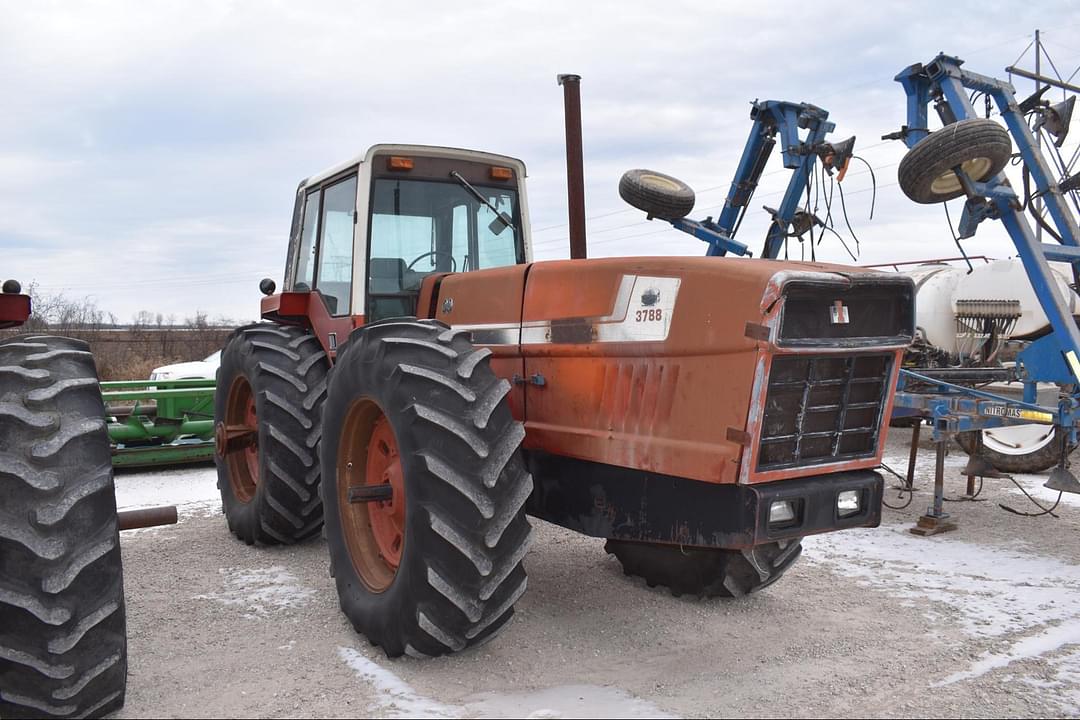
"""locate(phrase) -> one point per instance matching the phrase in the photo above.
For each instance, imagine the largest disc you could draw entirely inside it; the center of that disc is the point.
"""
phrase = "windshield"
(424, 226)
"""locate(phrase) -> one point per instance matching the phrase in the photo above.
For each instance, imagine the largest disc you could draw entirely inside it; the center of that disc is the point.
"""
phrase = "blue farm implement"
(966, 159)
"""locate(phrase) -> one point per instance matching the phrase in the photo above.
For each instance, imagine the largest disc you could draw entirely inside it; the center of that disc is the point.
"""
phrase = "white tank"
(1006, 280)
(934, 317)
(939, 286)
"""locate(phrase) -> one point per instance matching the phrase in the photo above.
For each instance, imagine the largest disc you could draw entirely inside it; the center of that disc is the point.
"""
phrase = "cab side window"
(305, 264)
(335, 256)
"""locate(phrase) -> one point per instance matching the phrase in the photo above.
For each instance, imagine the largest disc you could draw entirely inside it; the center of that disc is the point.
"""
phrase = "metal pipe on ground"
(147, 517)
(575, 167)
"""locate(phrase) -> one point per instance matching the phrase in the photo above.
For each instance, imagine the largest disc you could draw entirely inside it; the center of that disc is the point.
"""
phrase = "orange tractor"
(420, 385)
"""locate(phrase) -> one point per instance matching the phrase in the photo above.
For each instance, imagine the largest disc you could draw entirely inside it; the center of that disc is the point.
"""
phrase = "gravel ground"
(980, 622)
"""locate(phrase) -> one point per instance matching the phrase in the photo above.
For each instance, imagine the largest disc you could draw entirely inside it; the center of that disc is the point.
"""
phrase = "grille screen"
(822, 409)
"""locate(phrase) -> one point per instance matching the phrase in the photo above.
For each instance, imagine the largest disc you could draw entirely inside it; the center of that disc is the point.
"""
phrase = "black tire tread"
(1039, 461)
(466, 486)
(944, 149)
(286, 367)
(63, 646)
(663, 203)
(706, 572)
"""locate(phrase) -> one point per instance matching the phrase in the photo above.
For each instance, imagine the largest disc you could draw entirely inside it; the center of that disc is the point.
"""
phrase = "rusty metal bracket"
(757, 331)
(740, 437)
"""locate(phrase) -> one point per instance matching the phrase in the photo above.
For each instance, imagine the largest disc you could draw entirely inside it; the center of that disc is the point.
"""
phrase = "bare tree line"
(124, 351)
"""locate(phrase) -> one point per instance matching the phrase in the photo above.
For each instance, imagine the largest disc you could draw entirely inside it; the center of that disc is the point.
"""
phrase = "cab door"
(324, 259)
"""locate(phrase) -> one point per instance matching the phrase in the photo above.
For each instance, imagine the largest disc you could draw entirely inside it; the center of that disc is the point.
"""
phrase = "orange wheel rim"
(374, 530)
(242, 421)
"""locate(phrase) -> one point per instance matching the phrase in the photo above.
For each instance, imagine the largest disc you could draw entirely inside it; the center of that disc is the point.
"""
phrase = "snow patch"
(398, 699)
(1046, 497)
(569, 701)
(192, 489)
(392, 693)
(1030, 602)
(1044, 643)
(260, 590)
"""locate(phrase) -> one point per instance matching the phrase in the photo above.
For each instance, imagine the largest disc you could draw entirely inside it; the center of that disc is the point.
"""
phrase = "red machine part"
(14, 309)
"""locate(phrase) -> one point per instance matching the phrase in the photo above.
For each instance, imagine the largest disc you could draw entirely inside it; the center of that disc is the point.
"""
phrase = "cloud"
(150, 151)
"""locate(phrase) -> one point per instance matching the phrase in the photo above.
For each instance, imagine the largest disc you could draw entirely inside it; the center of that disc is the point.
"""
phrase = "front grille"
(876, 311)
(821, 409)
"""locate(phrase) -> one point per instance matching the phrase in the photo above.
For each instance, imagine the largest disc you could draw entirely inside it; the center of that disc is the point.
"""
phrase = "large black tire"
(63, 642)
(1037, 461)
(706, 572)
(657, 194)
(284, 369)
(981, 147)
(464, 527)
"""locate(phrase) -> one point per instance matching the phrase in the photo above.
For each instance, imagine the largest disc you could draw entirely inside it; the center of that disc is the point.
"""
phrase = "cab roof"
(421, 150)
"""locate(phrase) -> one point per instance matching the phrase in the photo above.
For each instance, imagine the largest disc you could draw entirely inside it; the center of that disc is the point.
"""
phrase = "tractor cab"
(367, 233)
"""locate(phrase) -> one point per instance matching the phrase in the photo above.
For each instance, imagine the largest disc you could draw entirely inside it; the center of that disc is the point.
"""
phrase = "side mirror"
(500, 223)
(267, 286)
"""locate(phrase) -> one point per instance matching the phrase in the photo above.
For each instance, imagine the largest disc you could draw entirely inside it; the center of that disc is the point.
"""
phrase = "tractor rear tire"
(657, 194)
(706, 572)
(63, 641)
(1038, 460)
(272, 381)
(981, 147)
(437, 566)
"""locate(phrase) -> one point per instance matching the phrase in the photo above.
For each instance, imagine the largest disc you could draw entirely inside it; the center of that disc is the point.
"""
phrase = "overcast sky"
(150, 151)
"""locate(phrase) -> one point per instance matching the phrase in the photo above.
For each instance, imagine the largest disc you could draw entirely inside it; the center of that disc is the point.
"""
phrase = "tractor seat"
(386, 275)
(387, 296)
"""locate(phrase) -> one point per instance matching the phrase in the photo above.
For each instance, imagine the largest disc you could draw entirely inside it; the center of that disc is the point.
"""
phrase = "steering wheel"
(453, 260)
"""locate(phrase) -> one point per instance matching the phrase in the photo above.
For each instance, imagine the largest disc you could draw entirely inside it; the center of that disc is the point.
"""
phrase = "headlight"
(780, 512)
(847, 503)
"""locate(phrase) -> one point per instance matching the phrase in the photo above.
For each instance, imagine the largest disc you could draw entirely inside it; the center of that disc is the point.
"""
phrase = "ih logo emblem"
(838, 313)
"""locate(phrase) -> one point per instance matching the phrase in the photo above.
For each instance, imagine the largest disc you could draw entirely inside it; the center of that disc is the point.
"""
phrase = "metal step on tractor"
(63, 642)
(420, 385)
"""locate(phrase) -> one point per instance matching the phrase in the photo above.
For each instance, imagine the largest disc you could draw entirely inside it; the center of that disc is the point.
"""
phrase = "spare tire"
(981, 147)
(1017, 448)
(63, 644)
(657, 194)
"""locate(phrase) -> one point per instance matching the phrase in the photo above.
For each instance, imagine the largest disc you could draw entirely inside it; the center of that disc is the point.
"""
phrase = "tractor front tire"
(424, 488)
(657, 194)
(63, 640)
(268, 423)
(706, 572)
(980, 147)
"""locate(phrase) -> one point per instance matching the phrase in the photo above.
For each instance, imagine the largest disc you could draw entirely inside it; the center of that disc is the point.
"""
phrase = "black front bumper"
(613, 502)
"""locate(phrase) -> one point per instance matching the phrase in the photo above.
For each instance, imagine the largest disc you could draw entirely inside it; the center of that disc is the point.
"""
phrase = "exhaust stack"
(575, 168)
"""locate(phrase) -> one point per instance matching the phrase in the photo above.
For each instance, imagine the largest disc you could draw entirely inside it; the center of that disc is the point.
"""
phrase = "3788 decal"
(649, 315)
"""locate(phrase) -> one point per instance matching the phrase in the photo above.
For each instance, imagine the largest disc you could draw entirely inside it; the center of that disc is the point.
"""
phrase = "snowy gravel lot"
(980, 622)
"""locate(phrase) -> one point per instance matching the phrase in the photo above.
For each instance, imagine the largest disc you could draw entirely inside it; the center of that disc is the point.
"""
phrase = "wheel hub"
(237, 439)
(371, 494)
(948, 183)
(388, 516)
